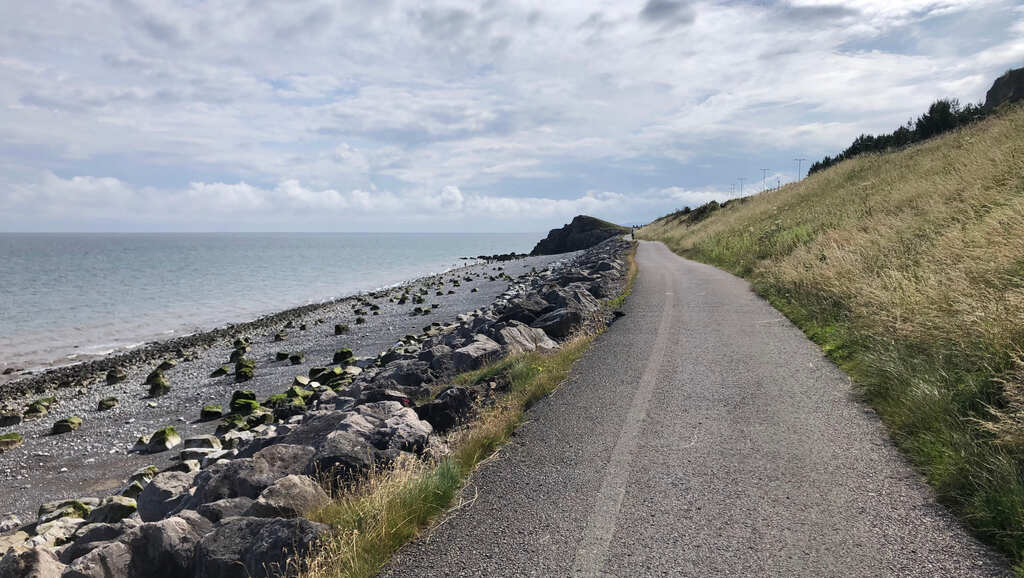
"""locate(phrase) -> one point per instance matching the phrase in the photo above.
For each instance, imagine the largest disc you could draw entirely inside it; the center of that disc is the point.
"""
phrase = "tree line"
(943, 115)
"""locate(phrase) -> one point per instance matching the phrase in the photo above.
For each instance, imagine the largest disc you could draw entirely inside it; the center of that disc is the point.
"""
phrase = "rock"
(476, 354)
(220, 371)
(8, 523)
(158, 384)
(340, 329)
(248, 477)
(88, 537)
(402, 430)
(249, 547)
(107, 403)
(244, 406)
(582, 233)
(559, 324)
(167, 364)
(9, 418)
(280, 336)
(144, 475)
(281, 355)
(244, 374)
(297, 358)
(343, 355)
(34, 563)
(518, 338)
(132, 490)
(238, 354)
(112, 509)
(16, 540)
(36, 410)
(203, 442)
(116, 375)
(165, 548)
(343, 455)
(405, 373)
(163, 495)
(1007, 88)
(289, 497)
(111, 560)
(56, 532)
(10, 441)
(300, 381)
(449, 408)
(226, 508)
(66, 425)
(211, 412)
(79, 508)
(163, 440)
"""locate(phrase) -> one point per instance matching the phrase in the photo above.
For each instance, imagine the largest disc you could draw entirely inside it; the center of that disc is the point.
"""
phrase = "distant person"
(632, 233)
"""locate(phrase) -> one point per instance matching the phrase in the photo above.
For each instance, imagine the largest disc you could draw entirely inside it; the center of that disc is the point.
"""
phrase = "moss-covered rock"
(107, 403)
(211, 412)
(163, 439)
(259, 416)
(297, 358)
(244, 406)
(301, 381)
(116, 375)
(276, 400)
(280, 336)
(67, 425)
(167, 364)
(221, 371)
(281, 355)
(299, 392)
(231, 422)
(238, 354)
(9, 441)
(343, 355)
(360, 320)
(132, 490)
(36, 410)
(241, 342)
(158, 386)
(340, 329)
(244, 374)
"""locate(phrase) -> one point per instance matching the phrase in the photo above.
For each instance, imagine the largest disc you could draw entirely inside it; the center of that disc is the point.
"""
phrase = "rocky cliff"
(1007, 88)
(582, 233)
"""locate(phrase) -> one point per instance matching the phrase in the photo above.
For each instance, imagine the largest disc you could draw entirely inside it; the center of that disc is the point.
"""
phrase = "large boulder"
(518, 338)
(112, 509)
(248, 477)
(405, 373)
(91, 536)
(477, 353)
(163, 495)
(560, 323)
(290, 497)
(33, 563)
(226, 508)
(448, 409)
(582, 233)
(1006, 89)
(254, 547)
(525, 308)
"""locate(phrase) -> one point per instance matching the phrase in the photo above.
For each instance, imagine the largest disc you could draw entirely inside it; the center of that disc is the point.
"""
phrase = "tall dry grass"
(908, 269)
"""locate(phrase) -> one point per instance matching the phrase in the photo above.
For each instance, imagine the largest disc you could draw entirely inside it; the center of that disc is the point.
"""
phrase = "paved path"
(701, 435)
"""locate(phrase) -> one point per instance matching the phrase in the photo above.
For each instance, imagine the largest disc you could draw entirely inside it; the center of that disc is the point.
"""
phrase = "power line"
(799, 161)
(764, 177)
(741, 179)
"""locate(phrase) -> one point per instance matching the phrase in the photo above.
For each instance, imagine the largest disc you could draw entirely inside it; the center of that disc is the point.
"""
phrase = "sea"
(66, 297)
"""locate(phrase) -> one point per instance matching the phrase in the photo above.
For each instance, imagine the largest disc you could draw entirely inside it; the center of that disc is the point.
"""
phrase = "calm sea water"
(65, 296)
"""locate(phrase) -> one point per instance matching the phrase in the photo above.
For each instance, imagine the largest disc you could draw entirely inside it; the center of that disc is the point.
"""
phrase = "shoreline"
(85, 371)
(97, 459)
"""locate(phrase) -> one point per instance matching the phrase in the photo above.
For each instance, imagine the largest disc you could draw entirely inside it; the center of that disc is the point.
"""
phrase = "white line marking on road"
(593, 551)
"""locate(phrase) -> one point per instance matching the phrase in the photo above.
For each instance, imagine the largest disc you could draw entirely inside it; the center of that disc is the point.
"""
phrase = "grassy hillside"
(908, 269)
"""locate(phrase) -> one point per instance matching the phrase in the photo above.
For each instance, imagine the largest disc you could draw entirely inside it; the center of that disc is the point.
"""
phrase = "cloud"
(668, 12)
(498, 115)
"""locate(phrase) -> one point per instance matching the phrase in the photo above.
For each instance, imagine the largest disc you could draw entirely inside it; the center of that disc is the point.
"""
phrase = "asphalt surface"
(701, 435)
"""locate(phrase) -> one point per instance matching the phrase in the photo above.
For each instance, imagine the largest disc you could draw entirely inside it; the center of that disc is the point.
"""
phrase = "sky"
(380, 115)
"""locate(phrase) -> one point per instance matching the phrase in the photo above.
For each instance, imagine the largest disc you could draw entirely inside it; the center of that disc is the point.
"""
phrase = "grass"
(908, 269)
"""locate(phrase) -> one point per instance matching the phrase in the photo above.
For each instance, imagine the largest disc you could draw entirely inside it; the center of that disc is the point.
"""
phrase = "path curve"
(701, 435)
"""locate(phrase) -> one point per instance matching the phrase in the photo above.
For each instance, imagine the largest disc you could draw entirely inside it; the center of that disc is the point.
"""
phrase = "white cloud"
(459, 107)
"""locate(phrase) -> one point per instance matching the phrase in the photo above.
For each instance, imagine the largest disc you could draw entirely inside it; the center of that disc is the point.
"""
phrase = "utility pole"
(764, 177)
(741, 185)
(799, 161)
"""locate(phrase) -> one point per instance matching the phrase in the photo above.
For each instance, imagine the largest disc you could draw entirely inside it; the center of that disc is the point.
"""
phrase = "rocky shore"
(311, 399)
